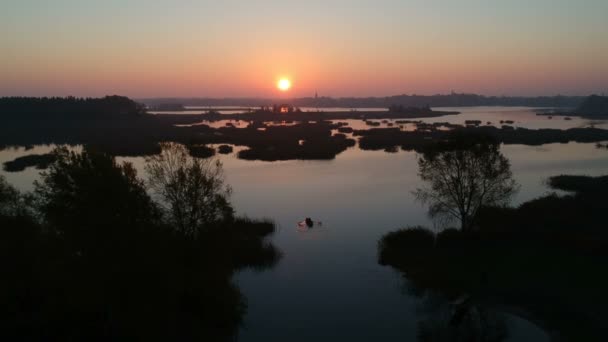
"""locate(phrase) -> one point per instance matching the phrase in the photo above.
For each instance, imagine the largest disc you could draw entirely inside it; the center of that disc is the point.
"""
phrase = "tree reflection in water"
(459, 320)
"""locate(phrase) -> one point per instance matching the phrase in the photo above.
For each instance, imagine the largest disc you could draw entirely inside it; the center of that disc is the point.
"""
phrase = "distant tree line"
(594, 106)
(438, 100)
(428, 134)
(412, 110)
(69, 106)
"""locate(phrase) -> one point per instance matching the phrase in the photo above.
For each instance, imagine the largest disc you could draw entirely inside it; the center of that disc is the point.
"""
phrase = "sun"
(284, 84)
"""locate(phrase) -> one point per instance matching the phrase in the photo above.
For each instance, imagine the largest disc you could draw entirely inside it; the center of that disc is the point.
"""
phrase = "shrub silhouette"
(225, 149)
(91, 257)
(200, 151)
(87, 198)
(407, 241)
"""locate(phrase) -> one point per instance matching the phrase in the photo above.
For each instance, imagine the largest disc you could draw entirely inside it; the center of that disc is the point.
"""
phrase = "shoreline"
(305, 116)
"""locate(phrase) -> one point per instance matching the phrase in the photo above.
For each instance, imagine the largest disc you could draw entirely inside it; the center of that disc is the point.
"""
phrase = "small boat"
(308, 223)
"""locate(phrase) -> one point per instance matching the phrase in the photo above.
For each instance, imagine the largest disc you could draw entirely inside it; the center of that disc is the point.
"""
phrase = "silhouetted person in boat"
(309, 223)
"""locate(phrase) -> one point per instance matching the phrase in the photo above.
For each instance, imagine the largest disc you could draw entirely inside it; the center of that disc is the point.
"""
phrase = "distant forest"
(72, 107)
(447, 100)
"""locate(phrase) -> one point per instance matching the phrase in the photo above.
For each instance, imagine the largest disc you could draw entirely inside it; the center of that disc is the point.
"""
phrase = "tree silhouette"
(96, 260)
(192, 189)
(509, 263)
(89, 199)
(463, 174)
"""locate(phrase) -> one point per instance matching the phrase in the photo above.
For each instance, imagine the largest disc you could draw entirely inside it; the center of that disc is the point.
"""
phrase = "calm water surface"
(329, 286)
(524, 117)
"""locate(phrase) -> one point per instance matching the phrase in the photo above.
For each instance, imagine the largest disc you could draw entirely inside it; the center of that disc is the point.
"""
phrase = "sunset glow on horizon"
(356, 48)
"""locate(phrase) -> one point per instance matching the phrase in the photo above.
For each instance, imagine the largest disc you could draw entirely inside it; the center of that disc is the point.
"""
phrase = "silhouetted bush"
(201, 151)
(450, 238)
(89, 257)
(225, 149)
(406, 241)
(345, 129)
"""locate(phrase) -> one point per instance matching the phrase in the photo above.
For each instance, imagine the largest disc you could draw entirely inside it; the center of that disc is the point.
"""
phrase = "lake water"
(524, 117)
(329, 286)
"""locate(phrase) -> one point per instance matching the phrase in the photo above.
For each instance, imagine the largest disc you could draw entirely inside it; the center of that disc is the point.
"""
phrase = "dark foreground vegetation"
(91, 256)
(543, 260)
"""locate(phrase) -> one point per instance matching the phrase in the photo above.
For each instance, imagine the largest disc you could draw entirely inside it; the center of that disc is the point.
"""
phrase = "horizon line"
(354, 96)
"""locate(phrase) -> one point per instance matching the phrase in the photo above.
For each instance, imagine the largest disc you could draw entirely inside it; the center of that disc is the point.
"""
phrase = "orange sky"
(338, 48)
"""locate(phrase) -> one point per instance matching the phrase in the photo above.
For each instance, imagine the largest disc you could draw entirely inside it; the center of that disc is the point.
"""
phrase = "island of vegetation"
(289, 112)
(429, 134)
(40, 161)
(121, 127)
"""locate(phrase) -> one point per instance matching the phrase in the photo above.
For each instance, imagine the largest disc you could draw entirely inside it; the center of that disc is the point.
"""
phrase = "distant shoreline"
(120, 126)
(437, 100)
(232, 110)
(309, 116)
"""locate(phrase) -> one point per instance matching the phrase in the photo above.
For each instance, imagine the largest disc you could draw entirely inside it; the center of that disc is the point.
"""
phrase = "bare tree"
(462, 176)
(192, 190)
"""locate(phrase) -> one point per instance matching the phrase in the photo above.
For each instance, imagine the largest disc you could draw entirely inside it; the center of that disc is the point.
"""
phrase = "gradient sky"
(339, 48)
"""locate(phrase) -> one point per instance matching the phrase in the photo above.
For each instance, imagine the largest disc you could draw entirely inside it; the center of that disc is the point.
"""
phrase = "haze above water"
(329, 285)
